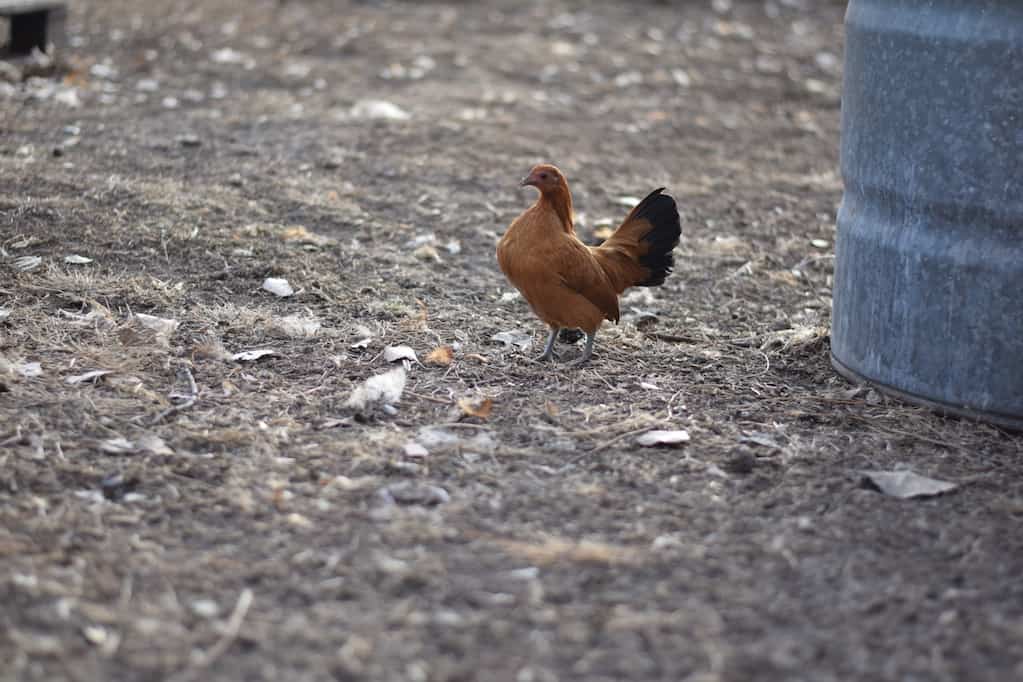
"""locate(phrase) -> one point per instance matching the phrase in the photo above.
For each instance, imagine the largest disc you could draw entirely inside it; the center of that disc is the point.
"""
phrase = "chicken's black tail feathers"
(666, 229)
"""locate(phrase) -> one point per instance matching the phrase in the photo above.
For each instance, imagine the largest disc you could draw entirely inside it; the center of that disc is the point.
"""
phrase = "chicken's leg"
(587, 352)
(548, 351)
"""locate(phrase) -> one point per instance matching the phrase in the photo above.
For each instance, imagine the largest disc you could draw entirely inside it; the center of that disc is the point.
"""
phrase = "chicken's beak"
(527, 181)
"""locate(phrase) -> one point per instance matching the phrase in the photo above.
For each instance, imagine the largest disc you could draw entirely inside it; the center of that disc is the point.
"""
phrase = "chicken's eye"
(543, 176)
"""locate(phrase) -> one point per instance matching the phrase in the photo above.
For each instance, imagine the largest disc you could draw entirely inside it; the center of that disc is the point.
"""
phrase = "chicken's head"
(545, 178)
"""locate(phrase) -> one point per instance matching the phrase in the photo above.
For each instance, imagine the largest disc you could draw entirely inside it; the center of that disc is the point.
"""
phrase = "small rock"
(114, 486)
(227, 56)
(278, 287)
(95, 634)
(413, 492)
(206, 608)
(414, 450)
(661, 437)
(380, 110)
(103, 71)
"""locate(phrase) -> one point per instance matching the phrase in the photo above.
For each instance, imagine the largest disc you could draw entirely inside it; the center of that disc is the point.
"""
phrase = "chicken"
(571, 285)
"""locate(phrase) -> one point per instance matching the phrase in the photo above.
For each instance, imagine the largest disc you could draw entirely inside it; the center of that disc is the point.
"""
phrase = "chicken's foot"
(587, 352)
(548, 351)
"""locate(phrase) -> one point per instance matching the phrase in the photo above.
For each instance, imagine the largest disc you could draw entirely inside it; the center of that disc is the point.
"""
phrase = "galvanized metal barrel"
(928, 294)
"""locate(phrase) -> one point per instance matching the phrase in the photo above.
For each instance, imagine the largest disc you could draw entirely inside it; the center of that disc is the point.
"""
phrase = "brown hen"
(571, 285)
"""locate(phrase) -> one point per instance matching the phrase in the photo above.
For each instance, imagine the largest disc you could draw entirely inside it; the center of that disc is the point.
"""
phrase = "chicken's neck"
(559, 200)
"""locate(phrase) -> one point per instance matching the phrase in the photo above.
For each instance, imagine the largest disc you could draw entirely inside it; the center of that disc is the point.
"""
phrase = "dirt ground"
(193, 514)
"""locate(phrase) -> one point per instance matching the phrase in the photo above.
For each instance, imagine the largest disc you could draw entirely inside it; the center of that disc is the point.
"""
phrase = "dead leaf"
(162, 328)
(88, 376)
(659, 437)
(278, 287)
(476, 408)
(154, 445)
(420, 321)
(299, 233)
(762, 440)
(250, 355)
(383, 388)
(117, 446)
(210, 347)
(75, 259)
(516, 338)
(441, 355)
(437, 438)
(26, 263)
(427, 253)
(296, 326)
(29, 370)
(395, 353)
(906, 484)
(347, 484)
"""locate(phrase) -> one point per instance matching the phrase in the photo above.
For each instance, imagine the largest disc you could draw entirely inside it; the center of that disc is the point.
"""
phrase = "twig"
(906, 434)
(16, 438)
(442, 401)
(189, 399)
(673, 338)
(620, 437)
(234, 626)
(812, 259)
